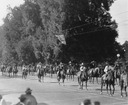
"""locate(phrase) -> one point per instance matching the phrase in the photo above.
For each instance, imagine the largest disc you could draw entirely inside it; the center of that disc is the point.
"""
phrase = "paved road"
(50, 93)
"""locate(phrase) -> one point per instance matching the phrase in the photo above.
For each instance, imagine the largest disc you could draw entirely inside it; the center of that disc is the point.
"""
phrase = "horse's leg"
(63, 81)
(22, 75)
(125, 89)
(121, 91)
(73, 77)
(110, 89)
(97, 80)
(58, 78)
(81, 84)
(39, 78)
(93, 78)
(43, 78)
(107, 86)
(90, 79)
(67, 76)
(86, 84)
(113, 85)
(102, 84)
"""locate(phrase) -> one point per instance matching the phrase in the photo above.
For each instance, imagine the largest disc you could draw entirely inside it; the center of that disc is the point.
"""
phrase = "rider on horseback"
(106, 69)
(82, 69)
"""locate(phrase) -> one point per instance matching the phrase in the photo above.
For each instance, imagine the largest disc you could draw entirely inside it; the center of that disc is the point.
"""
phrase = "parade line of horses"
(110, 75)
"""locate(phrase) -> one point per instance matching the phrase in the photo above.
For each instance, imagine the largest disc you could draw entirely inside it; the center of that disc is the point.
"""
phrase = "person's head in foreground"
(28, 91)
(96, 103)
(86, 102)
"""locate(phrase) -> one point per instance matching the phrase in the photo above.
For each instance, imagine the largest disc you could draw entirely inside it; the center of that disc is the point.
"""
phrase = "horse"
(14, 71)
(24, 72)
(94, 73)
(9, 70)
(108, 80)
(82, 77)
(124, 83)
(3, 69)
(61, 75)
(40, 73)
(70, 72)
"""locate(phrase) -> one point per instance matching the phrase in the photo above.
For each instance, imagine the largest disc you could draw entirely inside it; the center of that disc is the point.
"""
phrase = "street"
(50, 92)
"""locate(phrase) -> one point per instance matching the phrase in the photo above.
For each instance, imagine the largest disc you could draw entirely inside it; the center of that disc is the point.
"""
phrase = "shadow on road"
(42, 104)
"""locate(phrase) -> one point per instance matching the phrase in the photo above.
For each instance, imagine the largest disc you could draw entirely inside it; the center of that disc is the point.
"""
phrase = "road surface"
(50, 92)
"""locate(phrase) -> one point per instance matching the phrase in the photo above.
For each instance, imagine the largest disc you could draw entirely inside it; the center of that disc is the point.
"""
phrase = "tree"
(125, 46)
(52, 16)
(90, 32)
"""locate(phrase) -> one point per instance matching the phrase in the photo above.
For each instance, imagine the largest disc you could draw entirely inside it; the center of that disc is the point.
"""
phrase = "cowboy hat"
(82, 64)
(28, 90)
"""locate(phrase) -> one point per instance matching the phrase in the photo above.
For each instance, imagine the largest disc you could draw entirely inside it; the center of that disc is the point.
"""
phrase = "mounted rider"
(61, 66)
(92, 64)
(69, 67)
(24, 68)
(82, 69)
(38, 67)
(106, 69)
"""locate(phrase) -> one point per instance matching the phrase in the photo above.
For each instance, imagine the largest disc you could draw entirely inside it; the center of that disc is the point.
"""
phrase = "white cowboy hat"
(82, 64)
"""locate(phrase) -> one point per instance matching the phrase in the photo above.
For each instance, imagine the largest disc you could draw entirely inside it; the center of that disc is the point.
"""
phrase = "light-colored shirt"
(106, 69)
(82, 68)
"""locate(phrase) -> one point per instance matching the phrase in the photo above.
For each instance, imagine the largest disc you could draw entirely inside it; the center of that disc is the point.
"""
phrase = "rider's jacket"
(82, 68)
(106, 69)
(60, 66)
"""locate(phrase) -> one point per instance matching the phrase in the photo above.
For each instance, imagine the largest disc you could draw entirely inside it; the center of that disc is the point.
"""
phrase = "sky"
(119, 12)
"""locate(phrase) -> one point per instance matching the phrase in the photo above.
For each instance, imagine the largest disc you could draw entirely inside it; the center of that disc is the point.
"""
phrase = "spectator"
(22, 100)
(27, 98)
(96, 103)
(86, 102)
(2, 101)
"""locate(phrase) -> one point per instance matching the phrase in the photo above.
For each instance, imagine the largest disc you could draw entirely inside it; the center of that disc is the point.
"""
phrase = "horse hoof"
(111, 95)
(121, 96)
(101, 93)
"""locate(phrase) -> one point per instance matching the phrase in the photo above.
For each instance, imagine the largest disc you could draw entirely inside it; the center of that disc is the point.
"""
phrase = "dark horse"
(61, 75)
(40, 73)
(3, 69)
(108, 80)
(9, 70)
(94, 73)
(82, 77)
(24, 73)
(15, 71)
(117, 75)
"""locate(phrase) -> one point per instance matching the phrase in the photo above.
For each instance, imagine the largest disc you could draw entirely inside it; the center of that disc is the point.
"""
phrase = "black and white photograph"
(63, 52)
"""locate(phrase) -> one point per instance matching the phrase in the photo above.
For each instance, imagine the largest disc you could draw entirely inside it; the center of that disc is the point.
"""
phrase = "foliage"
(90, 32)
(29, 31)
